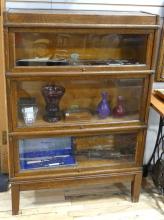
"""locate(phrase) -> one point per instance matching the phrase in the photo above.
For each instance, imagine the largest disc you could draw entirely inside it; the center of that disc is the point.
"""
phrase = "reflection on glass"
(93, 151)
(103, 48)
(106, 147)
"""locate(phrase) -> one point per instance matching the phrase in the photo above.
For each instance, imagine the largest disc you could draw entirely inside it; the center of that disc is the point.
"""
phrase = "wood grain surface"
(3, 108)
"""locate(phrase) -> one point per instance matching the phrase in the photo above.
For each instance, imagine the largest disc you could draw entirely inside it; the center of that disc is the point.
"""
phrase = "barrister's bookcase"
(78, 85)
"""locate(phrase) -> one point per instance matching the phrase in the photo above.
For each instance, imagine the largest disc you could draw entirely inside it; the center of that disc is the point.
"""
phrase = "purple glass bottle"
(119, 110)
(103, 108)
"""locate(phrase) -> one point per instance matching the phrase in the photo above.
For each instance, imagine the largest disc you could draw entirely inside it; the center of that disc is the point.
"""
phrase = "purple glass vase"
(119, 110)
(103, 108)
(52, 95)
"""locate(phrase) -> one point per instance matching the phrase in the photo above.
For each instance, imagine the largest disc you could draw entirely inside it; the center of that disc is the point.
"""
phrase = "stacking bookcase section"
(78, 85)
(74, 153)
(93, 101)
(96, 40)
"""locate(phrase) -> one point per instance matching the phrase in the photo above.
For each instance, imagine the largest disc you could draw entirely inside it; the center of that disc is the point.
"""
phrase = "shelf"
(77, 103)
(40, 123)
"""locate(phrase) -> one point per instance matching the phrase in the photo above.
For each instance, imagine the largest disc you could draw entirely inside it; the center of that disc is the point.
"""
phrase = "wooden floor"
(106, 203)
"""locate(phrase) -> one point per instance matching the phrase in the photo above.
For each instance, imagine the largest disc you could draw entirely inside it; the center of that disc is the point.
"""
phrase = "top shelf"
(79, 41)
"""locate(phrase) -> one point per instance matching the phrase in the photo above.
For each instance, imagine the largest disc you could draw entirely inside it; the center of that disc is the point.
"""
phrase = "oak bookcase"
(78, 87)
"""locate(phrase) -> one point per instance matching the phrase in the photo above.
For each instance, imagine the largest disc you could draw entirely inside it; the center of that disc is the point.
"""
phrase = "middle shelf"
(57, 102)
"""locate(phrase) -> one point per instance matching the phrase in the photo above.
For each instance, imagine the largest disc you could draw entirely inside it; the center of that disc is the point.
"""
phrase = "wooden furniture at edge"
(157, 104)
(114, 53)
(160, 63)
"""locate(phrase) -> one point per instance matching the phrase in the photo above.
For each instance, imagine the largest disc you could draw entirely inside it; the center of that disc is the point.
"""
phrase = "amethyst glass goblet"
(52, 95)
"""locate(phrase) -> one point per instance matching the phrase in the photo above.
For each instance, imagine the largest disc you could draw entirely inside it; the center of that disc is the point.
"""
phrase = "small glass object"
(29, 114)
(28, 109)
(103, 108)
(119, 110)
(74, 59)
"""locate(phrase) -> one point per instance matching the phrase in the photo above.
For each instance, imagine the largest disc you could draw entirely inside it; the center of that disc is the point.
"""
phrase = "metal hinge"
(4, 137)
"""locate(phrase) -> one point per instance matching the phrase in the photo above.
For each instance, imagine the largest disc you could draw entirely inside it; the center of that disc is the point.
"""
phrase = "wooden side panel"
(3, 108)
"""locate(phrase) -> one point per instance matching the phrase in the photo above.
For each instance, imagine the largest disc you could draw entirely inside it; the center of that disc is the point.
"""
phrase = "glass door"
(62, 103)
(75, 48)
(76, 152)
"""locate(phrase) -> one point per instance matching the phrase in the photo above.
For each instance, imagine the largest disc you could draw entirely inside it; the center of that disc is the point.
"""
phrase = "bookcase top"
(77, 17)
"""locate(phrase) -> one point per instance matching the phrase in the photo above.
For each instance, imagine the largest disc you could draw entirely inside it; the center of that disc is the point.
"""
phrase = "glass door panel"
(74, 47)
(80, 152)
(57, 103)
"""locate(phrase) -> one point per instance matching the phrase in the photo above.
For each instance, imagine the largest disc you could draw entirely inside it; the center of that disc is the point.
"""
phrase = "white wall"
(152, 6)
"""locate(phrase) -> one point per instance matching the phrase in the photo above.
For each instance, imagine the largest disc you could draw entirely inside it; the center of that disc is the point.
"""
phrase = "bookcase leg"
(136, 187)
(15, 197)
